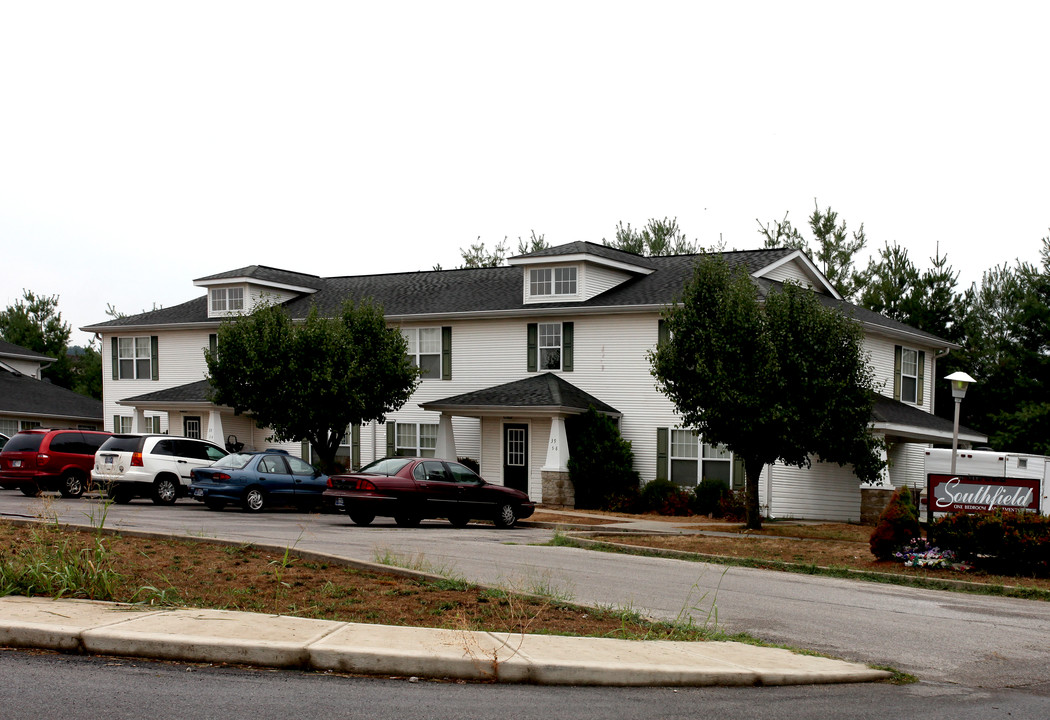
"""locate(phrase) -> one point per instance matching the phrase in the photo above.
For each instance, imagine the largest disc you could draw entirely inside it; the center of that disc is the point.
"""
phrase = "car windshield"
(123, 443)
(24, 442)
(386, 466)
(235, 461)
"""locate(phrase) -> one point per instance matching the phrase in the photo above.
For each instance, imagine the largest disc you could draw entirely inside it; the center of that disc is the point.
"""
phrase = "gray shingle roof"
(588, 248)
(21, 394)
(480, 290)
(545, 391)
(268, 274)
(894, 412)
(191, 392)
(17, 351)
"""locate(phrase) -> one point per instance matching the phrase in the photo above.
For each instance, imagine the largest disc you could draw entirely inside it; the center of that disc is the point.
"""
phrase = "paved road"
(974, 641)
(85, 688)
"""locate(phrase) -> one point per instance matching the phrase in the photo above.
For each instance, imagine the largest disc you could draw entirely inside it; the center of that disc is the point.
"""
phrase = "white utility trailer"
(985, 481)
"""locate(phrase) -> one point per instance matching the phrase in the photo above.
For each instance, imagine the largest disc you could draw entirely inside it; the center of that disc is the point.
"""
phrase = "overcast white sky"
(146, 144)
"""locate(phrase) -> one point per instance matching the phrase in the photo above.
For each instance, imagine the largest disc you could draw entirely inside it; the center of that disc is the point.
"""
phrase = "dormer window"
(227, 299)
(552, 281)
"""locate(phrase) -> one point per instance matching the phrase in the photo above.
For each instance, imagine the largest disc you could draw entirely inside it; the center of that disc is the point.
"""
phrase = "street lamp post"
(960, 381)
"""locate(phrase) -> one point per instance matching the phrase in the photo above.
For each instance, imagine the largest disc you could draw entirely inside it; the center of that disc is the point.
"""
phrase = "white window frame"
(687, 446)
(218, 300)
(8, 426)
(415, 439)
(425, 337)
(541, 282)
(29, 424)
(554, 282)
(125, 425)
(134, 350)
(567, 283)
(153, 424)
(913, 376)
(547, 341)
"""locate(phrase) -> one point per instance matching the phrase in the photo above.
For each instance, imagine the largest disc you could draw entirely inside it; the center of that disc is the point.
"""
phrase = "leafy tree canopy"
(780, 380)
(313, 379)
(832, 248)
(34, 322)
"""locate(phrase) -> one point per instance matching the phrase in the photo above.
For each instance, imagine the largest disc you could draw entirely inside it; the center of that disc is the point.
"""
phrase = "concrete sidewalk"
(222, 636)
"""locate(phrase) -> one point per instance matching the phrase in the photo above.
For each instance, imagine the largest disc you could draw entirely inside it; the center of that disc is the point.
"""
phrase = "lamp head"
(960, 381)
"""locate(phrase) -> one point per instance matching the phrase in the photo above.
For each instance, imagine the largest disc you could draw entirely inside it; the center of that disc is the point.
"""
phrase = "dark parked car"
(44, 459)
(257, 480)
(410, 489)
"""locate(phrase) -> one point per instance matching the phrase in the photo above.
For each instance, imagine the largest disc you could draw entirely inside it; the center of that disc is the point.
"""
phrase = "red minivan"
(43, 459)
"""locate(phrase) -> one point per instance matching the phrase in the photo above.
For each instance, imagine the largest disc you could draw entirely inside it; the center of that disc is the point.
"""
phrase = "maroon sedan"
(410, 489)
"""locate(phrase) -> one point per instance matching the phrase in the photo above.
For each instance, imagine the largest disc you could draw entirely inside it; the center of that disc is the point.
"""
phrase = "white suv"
(153, 466)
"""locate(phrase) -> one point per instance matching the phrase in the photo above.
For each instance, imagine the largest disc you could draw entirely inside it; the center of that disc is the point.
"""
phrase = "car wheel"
(165, 491)
(254, 500)
(505, 516)
(407, 520)
(214, 504)
(362, 518)
(119, 495)
(71, 485)
(29, 490)
(459, 520)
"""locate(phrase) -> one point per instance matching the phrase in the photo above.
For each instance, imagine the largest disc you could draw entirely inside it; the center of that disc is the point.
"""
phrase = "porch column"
(138, 420)
(557, 447)
(215, 433)
(446, 439)
(558, 490)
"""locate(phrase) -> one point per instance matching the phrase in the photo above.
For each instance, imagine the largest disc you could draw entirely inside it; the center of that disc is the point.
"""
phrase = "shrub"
(470, 463)
(897, 525)
(627, 501)
(665, 498)
(707, 497)
(733, 506)
(1005, 543)
(601, 463)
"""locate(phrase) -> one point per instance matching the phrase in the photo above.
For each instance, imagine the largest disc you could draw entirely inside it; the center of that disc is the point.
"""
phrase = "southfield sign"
(967, 493)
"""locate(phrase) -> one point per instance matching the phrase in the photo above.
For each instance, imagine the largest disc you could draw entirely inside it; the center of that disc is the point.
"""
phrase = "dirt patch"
(809, 545)
(192, 573)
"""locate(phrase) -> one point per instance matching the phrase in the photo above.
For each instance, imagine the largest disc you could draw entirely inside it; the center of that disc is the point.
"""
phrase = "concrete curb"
(224, 636)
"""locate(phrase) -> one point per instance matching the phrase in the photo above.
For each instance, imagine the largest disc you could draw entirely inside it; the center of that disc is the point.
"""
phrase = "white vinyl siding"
(823, 492)
(594, 280)
(789, 271)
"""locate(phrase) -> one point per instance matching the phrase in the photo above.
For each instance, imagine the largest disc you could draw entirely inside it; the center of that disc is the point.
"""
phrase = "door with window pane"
(516, 456)
(191, 426)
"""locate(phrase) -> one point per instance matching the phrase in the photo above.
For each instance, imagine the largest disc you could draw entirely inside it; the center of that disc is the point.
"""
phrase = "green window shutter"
(446, 352)
(116, 423)
(391, 429)
(115, 359)
(154, 352)
(663, 439)
(304, 451)
(896, 372)
(355, 447)
(918, 390)
(663, 334)
(213, 343)
(534, 341)
(566, 346)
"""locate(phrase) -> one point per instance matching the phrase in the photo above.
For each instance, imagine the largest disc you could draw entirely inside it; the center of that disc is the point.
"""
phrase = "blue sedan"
(257, 480)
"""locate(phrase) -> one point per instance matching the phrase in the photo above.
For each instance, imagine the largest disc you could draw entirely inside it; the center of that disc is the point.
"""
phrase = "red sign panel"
(970, 493)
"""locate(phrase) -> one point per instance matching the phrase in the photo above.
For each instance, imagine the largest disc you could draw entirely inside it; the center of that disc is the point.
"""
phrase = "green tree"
(478, 256)
(34, 322)
(313, 379)
(776, 381)
(832, 248)
(87, 371)
(658, 237)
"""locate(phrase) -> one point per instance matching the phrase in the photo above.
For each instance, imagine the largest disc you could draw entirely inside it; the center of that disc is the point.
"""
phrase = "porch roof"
(195, 393)
(897, 419)
(537, 394)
